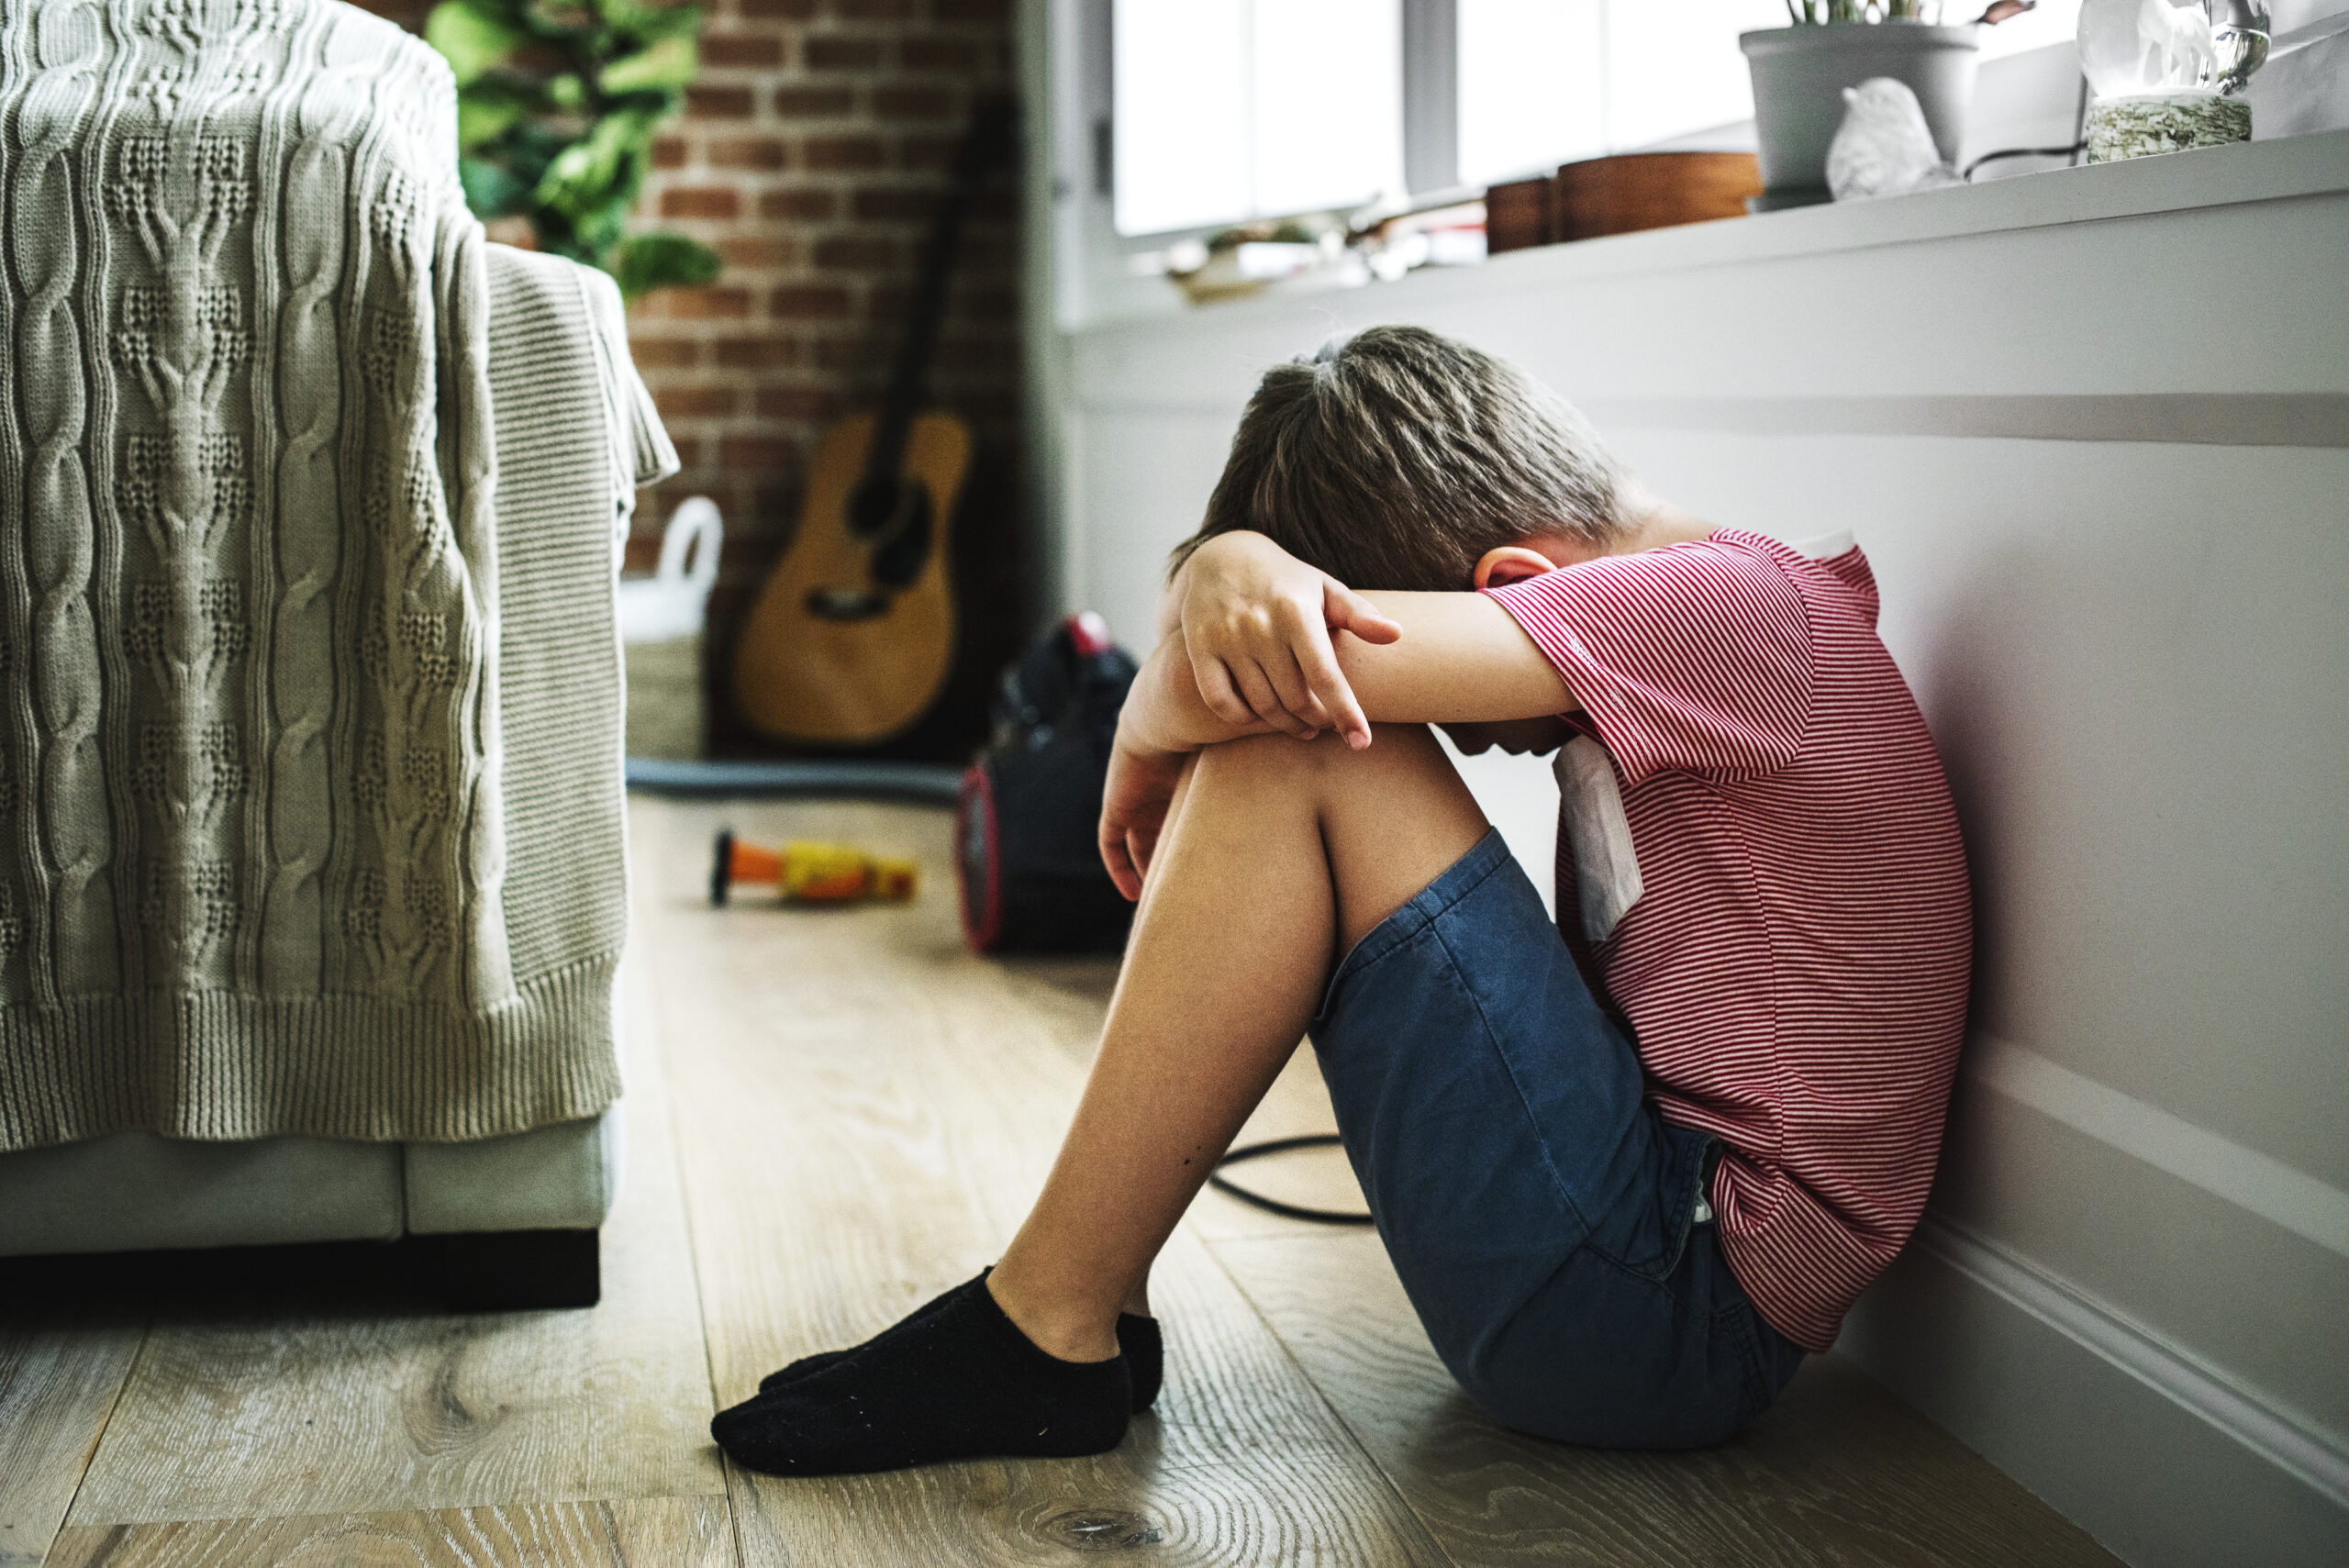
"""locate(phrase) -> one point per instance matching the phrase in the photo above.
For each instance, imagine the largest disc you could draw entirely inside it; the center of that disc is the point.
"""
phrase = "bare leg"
(1278, 855)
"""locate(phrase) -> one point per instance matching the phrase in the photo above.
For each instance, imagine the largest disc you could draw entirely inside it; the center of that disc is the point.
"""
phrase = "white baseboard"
(2164, 1459)
(2258, 1184)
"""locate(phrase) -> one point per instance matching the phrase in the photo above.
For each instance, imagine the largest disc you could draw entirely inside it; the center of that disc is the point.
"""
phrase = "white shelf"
(1983, 258)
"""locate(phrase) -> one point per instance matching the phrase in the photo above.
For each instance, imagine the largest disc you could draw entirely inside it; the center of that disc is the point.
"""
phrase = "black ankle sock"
(1138, 1337)
(822, 1359)
(955, 1380)
(1145, 1354)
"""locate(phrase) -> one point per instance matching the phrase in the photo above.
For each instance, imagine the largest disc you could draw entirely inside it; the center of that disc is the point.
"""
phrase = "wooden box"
(1516, 215)
(1650, 190)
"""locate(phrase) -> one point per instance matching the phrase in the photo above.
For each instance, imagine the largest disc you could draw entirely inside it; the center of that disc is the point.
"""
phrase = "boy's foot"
(1138, 1337)
(956, 1380)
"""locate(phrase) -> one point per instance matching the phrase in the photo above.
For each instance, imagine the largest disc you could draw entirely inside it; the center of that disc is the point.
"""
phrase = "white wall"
(2093, 428)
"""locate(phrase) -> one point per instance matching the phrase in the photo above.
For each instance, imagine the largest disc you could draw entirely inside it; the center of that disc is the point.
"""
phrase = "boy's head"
(1397, 458)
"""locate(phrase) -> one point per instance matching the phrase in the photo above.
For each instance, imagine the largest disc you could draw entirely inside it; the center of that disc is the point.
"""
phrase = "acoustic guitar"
(853, 633)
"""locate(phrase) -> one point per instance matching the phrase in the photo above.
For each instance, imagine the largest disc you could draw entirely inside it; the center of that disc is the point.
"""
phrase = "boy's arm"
(1163, 722)
(1461, 659)
(1166, 716)
(1258, 625)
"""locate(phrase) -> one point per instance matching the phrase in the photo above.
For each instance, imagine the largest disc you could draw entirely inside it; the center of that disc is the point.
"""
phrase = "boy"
(1628, 1170)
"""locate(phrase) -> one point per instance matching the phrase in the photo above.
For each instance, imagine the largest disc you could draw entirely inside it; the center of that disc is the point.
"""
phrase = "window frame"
(1102, 273)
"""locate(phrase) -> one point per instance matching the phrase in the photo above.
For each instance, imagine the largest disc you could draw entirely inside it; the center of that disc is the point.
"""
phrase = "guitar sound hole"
(845, 604)
(897, 561)
(893, 517)
(877, 505)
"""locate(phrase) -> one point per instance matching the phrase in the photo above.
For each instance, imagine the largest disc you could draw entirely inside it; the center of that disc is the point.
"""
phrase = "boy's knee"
(1284, 756)
(1403, 763)
(1257, 756)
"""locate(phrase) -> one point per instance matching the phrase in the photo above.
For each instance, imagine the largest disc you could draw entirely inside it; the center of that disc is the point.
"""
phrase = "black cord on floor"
(1274, 1205)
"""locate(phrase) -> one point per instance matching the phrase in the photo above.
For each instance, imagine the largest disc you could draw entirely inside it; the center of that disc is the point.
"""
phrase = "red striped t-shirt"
(1796, 964)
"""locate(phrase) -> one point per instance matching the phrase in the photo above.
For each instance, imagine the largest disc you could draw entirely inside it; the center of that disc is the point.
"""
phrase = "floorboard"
(866, 1112)
(649, 1532)
(59, 1382)
(278, 1407)
(832, 1115)
(1838, 1472)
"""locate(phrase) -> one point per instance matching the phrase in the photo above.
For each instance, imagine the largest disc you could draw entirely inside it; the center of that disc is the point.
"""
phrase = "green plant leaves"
(557, 106)
(650, 21)
(583, 175)
(485, 112)
(472, 36)
(649, 261)
(669, 63)
(490, 191)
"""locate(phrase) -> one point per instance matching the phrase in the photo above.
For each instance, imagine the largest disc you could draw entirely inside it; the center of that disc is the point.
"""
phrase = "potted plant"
(1800, 71)
(556, 102)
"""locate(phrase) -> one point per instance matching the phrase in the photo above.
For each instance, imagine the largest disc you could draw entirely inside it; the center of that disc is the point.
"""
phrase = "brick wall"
(808, 156)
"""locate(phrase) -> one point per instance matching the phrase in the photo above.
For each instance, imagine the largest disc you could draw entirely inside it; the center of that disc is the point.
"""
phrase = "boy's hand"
(1162, 723)
(1257, 622)
(1134, 801)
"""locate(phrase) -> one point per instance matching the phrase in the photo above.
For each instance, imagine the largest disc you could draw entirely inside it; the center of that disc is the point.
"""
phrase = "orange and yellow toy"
(808, 873)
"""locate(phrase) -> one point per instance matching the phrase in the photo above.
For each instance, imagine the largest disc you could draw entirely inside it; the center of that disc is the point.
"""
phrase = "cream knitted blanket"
(253, 812)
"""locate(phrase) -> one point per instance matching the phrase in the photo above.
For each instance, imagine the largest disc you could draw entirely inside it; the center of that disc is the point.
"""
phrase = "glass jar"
(2167, 75)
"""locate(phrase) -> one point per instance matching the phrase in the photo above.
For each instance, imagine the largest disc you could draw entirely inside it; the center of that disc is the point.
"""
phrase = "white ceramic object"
(1885, 146)
(668, 605)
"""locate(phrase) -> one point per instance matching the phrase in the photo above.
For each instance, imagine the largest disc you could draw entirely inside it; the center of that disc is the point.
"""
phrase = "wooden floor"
(831, 1116)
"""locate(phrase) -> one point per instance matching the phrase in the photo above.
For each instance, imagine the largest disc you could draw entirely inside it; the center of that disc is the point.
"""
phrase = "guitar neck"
(908, 378)
(981, 145)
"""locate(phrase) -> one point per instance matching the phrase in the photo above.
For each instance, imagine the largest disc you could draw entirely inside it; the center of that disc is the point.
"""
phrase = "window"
(1232, 109)
(1533, 85)
(1225, 110)
(1673, 70)
(2055, 22)
(1545, 82)
(1176, 118)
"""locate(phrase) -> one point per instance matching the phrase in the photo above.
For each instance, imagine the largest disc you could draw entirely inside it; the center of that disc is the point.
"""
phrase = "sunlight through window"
(1230, 110)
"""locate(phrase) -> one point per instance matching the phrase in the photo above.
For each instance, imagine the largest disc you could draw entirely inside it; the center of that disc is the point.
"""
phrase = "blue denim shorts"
(1540, 1213)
